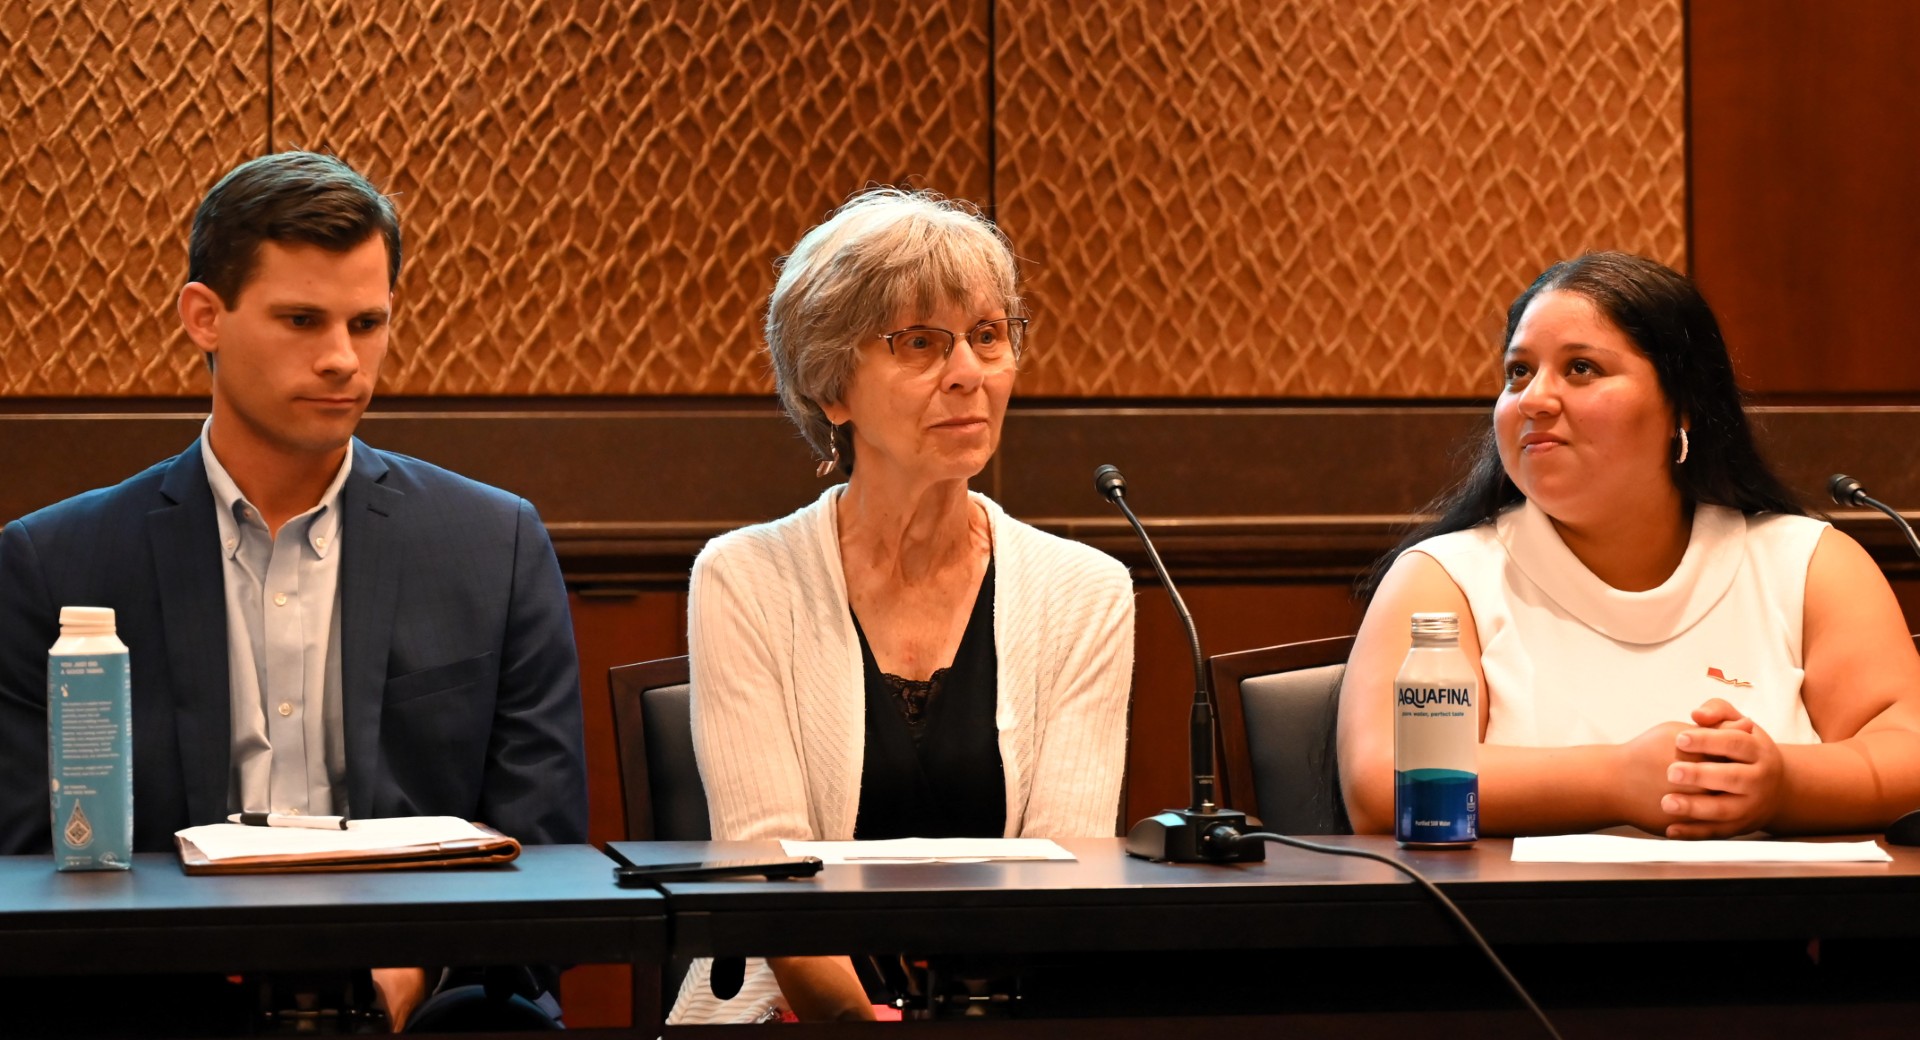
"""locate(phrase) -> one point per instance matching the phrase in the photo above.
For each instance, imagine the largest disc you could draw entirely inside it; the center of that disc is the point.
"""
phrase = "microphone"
(1203, 832)
(1847, 491)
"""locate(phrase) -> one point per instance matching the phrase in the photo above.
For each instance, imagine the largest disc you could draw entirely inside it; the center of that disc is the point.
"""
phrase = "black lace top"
(932, 767)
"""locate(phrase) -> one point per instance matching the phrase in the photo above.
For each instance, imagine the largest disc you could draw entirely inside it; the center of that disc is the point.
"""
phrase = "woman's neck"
(912, 531)
(1634, 552)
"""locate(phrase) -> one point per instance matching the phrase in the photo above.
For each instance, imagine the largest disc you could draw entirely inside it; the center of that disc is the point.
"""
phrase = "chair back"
(659, 776)
(1278, 707)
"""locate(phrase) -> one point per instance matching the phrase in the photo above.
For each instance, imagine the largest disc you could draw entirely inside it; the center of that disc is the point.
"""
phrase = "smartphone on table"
(629, 874)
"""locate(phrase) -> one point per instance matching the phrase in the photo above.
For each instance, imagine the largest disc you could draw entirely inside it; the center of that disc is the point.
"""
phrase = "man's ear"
(200, 310)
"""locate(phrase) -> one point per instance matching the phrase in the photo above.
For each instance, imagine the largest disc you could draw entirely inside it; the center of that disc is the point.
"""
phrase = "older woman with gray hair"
(900, 657)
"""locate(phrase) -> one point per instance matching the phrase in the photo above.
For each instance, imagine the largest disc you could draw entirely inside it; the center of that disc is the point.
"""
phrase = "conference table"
(554, 904)
(1104, 945)
(1348, 947)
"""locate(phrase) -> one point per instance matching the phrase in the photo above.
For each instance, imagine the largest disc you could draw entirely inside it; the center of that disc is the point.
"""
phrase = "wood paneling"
(594, 191)
(1229, 618)
(1244, 494)
(1316, 198)
(1806, 188)
(114, 119)
(1321, 198)
(612, 628)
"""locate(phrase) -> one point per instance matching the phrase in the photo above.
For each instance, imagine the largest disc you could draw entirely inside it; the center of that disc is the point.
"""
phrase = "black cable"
(1434, 890)
(1899, 521)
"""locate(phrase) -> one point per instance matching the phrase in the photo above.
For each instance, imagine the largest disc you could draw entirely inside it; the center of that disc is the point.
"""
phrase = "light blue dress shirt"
(283, 650)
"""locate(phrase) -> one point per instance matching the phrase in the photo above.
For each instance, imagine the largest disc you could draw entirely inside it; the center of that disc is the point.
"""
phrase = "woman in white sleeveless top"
(1664, 638)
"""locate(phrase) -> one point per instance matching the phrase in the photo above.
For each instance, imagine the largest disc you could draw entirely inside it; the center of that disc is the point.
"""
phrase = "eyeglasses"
(995, 343)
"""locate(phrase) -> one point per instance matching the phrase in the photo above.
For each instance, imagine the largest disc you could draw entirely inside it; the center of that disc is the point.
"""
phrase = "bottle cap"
(1444, 624)
(86, 619)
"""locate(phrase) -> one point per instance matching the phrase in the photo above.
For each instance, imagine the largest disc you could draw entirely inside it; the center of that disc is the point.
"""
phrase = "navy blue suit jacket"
(460, 687)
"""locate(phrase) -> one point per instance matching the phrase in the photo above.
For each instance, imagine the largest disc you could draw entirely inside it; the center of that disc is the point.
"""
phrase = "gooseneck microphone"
(1113, 486)
(1847, 491)
(1203, 832)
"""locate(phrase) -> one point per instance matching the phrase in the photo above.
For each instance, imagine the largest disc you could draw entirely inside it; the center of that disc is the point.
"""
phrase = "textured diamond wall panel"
(1322, 198)
(114, 118)
(1317, 198)
(594, 192)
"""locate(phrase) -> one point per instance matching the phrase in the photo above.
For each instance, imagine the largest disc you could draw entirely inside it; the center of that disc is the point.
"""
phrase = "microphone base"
(1181, 836)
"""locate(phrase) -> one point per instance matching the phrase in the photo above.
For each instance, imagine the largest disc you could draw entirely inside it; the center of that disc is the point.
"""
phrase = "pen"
(262, 819)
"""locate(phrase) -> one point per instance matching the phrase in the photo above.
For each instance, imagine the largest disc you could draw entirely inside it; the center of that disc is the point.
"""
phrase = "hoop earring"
(832, 462)
(1683, 447)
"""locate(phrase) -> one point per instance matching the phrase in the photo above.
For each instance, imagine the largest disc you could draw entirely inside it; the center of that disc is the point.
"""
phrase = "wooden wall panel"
(611, 629)
(1316, 198)
(1806, 189)
(594, 192)
(1229, 617)
(1235, 494)
(615, 627)
(112, 119)
(1321, 198)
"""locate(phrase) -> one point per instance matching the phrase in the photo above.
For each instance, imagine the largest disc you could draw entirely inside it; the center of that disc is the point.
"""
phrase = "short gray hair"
(885, 251)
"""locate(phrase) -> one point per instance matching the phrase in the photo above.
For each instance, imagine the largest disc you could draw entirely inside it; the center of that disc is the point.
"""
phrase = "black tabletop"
(554, 904)
(1106, 900)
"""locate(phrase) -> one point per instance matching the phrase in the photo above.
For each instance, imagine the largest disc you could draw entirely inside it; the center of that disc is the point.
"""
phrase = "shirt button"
(279, 599)
(286, 708)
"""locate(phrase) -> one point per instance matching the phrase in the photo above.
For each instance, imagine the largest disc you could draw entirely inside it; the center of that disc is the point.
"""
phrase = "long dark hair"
(1661, 312)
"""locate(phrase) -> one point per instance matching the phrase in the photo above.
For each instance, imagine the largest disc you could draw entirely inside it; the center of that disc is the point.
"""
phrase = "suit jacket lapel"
(185, 537)
(369, 591)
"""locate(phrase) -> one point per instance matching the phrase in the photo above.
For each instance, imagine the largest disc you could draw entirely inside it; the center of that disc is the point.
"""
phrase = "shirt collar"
(323, 520)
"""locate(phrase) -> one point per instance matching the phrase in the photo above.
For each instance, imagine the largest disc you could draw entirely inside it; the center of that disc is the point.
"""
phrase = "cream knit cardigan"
(779, 701)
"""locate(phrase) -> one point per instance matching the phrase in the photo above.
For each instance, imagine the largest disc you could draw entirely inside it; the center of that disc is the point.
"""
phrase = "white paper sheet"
(232, 840)
(1615, 848)
(929, 850)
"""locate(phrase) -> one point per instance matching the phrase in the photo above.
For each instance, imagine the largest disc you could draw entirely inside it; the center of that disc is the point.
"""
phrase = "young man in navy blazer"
(315, 626)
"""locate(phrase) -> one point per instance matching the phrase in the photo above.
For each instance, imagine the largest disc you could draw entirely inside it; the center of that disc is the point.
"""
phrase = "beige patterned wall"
(596, 190)
(110, 116)
(1321, 198)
